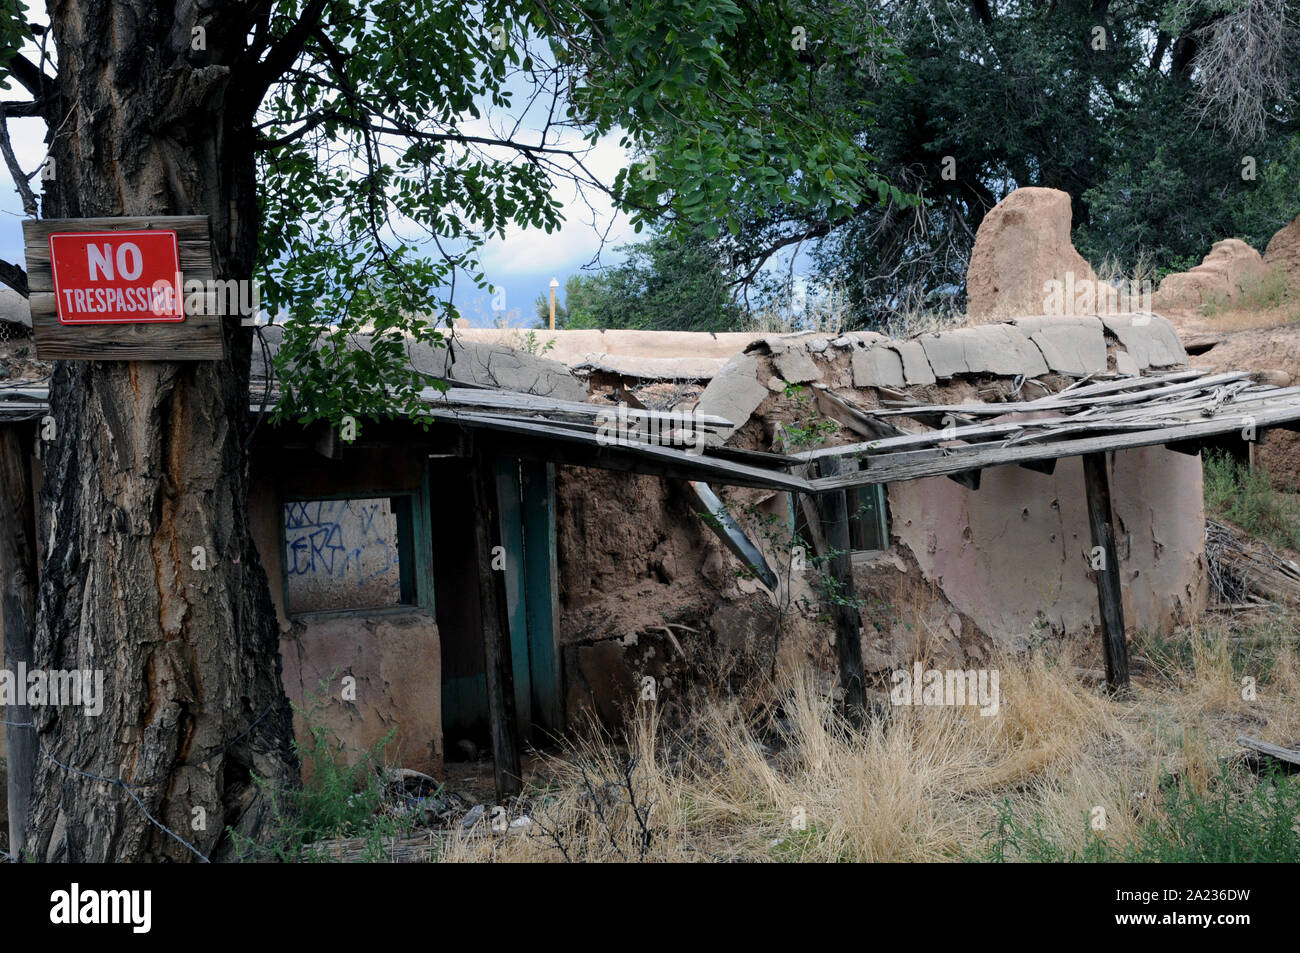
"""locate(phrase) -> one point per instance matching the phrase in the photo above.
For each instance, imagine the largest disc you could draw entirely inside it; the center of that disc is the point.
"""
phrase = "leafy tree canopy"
(405, 126)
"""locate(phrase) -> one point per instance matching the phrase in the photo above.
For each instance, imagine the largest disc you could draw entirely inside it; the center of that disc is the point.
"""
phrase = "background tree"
(331, 144)
(1142, 111)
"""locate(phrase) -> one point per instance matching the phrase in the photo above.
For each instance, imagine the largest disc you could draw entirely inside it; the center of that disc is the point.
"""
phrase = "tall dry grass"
(917, 783)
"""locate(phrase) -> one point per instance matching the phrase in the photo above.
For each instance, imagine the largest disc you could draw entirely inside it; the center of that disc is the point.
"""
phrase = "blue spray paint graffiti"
(333, 545)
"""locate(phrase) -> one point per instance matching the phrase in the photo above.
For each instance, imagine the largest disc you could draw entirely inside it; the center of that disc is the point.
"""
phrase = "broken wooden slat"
(707, 503)
(889, 468)
(1057, 403)
(532, 403)
(588, 450)
(848, 414)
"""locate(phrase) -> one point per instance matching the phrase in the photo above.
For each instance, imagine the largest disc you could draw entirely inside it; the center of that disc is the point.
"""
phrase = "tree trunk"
(147, 463)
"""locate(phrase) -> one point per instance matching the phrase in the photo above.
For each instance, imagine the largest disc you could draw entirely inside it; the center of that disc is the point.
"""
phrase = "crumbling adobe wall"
(646, 590)
(1007, 561)
(1014, 554)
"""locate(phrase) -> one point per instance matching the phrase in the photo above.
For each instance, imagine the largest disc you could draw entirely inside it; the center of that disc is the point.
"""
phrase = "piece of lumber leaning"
(1109, 595)
(844, 611)
(497, 668)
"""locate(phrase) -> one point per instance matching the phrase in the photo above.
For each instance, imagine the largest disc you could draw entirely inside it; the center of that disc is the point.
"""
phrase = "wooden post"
(1109, 596)
(848, 624)
(18, 611)
(554, 284)
(497, 667)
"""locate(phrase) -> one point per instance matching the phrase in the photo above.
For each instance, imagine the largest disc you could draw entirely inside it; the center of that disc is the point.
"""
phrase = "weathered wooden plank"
(705, 502)
(513, 400)
(1289, 755)
(848, 414)
(497, 661)
(197, 338)
(890, 468)
(1056, 402)
(186, 227)
(194, 339)
(1110, 599)
(585, 450)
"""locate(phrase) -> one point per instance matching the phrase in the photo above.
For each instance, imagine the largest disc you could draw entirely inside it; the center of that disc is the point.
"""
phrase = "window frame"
(421, 571)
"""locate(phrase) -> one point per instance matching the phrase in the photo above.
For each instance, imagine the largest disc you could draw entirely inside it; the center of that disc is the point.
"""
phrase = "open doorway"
(525, 495)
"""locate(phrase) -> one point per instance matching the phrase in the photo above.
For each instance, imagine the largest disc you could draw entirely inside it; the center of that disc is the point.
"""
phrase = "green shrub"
(342, 798)
(1239, 819)
(1236, 494)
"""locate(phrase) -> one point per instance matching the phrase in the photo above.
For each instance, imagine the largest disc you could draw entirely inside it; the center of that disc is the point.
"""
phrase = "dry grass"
(918, 784)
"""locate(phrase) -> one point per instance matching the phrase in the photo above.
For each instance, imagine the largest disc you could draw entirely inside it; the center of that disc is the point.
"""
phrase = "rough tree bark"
(148, 462)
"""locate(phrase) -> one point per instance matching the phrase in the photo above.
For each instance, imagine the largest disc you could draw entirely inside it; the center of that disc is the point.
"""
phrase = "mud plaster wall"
(394, 657)
(631, 552)
(645, 589)
(1014, 554)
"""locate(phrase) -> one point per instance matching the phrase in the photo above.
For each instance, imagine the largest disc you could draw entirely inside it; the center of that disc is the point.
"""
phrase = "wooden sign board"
(120, 298)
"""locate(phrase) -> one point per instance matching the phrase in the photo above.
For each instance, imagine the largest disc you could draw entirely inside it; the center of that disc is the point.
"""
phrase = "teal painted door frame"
(525, 496)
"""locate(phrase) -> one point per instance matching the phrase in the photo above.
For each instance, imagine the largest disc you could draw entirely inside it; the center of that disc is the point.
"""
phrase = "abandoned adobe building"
(966, 522)
(611, 575)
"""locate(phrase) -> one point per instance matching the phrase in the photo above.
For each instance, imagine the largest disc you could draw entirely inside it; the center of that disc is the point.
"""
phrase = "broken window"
(349, 554)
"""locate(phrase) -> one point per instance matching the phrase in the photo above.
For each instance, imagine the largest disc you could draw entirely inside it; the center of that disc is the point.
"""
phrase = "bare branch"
(15, 170)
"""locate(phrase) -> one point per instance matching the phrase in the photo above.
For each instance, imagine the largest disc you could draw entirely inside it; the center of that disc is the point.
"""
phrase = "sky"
(522, 263)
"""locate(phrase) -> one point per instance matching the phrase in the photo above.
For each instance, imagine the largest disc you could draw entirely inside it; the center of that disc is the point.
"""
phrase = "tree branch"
(32, 77)
(285, 50)
(15, 170)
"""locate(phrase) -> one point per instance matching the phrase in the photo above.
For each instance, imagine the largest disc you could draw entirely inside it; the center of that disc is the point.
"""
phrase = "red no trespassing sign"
(117, 277)
(111, 289)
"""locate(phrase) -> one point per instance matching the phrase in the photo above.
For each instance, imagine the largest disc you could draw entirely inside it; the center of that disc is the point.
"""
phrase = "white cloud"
(579, 238)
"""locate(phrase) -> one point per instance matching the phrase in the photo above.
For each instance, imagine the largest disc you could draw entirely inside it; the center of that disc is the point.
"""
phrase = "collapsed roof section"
(1107, 383)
